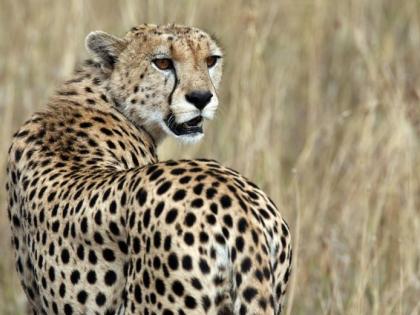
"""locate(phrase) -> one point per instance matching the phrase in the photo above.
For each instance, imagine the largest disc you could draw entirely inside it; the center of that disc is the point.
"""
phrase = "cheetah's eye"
(163, 63)
(211, 61)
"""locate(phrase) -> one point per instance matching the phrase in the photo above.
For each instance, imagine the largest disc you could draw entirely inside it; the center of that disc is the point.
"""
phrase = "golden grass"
(320, 106)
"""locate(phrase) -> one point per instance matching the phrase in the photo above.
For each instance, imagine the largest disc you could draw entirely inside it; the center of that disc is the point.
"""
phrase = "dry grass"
(320, 106)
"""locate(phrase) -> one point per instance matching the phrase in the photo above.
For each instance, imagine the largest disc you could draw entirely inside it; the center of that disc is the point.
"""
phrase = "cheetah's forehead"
(175, 37)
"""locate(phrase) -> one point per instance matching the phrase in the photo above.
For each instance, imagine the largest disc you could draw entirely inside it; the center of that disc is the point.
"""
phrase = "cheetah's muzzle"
(186, 128)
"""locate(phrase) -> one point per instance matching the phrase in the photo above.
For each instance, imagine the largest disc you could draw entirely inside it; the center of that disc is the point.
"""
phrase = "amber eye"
(211, 61)
(163, 63)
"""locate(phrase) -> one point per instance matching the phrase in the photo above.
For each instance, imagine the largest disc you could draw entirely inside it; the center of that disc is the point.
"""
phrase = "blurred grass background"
(320, 106)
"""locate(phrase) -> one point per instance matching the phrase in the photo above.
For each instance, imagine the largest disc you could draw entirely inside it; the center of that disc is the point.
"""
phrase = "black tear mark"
(174, 88)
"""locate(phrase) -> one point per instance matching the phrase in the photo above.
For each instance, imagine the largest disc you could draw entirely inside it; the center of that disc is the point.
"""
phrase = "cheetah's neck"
(86, 96)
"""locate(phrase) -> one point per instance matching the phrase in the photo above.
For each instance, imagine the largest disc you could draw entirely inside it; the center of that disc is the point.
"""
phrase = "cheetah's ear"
(105, 46)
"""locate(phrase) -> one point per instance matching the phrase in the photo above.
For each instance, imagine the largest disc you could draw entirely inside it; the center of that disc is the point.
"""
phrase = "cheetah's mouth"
(192, 126)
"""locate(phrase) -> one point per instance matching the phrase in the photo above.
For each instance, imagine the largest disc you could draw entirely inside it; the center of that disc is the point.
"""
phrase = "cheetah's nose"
(199, 98)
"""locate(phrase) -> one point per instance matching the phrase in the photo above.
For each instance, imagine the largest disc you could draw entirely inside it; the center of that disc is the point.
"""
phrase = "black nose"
(199, 98)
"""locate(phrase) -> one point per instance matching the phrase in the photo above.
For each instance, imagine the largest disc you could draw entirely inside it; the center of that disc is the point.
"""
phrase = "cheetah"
(100, 226)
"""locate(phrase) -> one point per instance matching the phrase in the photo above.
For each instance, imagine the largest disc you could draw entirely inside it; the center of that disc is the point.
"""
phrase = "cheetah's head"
(163, 78)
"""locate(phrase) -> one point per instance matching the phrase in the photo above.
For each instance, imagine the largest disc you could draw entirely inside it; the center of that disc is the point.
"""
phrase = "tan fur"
(100, 226)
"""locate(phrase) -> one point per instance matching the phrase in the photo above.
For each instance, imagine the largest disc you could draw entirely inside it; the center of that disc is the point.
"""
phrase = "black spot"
(123, 247)
(51, 274)
(189, 238)
(85, 125)
(184, 180)
(98, 217)
(141, 196)
(159, 209)
(211, 219)
(198, 188)
(286, 276)
(93, 200)
(82, 297)
(179, 195)
(259, 275)
(81, 252)
(51, 196)
(65, 256)
(98, 119)
(110, 277)
(84, 225)
(262, 303)
(113, 207)
(51, 249)
(225, 201)
(136, 245)
(75, 276)
(98, 238)
(278, 290)
(62, 290)
(178, 288)
(156, 263)
(210, 193)
(190, 219)
(282, 256)
(187, 262)
(197, 203)
(240, 243)
(156, 174)
(100, 299)
(113, 227)
(18, 154)
(207, 303)
(167, 243)
(173, 261)
(249, 293)
(264, 213)
(108, 255)
(104, 98)
(220, 239)
(164, 187)
(171, 216)
(146, 279)
(146, 218)
(196, 283)
(138, 294)
(160, 286)
(106, 131)
(227, 219)
(16, 221)
(190, 302)
(204, 267)
(91, 277)
(156, 239)
(242, 225)
(111, 144)
(204, 237)
(246, 264)
(92, 257)
(178, 171)
(68, 310)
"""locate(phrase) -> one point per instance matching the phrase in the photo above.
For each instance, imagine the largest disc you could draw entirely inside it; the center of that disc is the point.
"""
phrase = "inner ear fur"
(105, 47)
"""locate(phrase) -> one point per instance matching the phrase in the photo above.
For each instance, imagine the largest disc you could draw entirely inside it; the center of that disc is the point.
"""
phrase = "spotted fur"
(100, 226)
